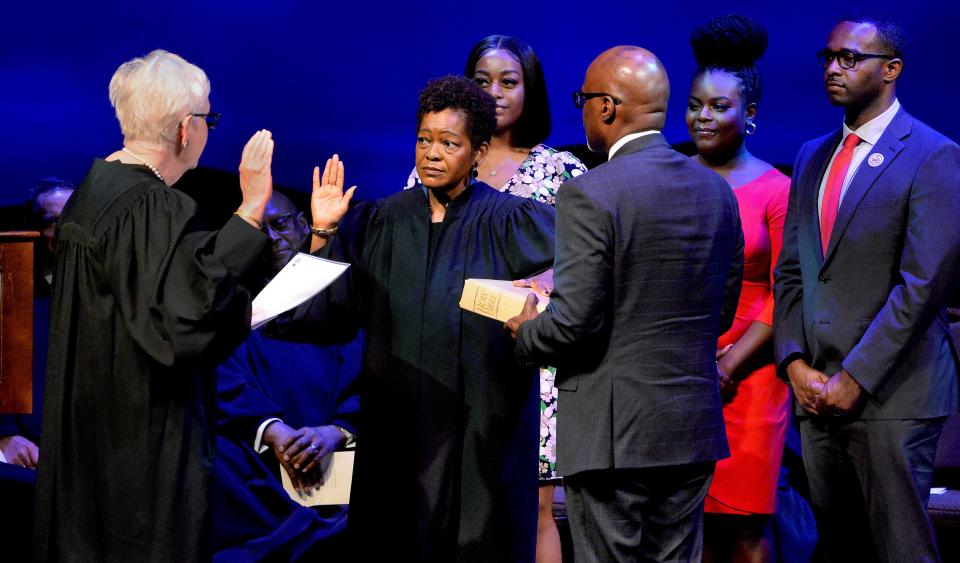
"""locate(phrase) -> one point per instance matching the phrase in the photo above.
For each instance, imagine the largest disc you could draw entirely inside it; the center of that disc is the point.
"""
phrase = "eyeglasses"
(579, 97)
(282, 224)
(212, 118)
(847, 59)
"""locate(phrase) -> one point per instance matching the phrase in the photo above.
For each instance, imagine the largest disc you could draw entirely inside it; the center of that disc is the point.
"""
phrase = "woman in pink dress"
(721, 113)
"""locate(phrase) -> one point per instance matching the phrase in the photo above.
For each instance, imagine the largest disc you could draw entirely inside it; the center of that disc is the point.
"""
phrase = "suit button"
(822, 279)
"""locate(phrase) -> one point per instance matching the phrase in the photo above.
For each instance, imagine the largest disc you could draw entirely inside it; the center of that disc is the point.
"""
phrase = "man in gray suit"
(870, 253)
(647, 275)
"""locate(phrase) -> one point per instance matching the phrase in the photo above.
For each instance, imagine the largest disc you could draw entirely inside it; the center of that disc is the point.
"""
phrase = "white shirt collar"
(871, 131)
(626, 139)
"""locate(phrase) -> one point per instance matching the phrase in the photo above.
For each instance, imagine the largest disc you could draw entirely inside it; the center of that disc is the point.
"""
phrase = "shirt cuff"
(3, 459)
(258, 445)
(349, 438)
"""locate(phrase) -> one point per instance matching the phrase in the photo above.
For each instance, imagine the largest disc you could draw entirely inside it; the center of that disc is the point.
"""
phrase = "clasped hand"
(822, 395)
(301, 451)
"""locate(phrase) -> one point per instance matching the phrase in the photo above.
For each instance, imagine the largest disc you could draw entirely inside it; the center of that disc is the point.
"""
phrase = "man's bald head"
(638, 91)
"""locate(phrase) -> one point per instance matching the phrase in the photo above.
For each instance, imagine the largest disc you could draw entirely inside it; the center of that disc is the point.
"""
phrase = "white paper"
(334, 486)
(302, 278)
(938, 490)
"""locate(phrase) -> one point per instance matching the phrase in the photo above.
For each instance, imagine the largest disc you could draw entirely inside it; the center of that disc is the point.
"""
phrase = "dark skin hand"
(807, 384)
(839, 395)
(528, 313)
(300, 451)
(20, 451)
(732, 358)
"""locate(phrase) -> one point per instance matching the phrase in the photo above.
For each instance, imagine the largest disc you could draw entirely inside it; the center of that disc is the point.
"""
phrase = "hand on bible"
(19, 451)
(329, 203)
(529, 312)
(256, 180)
(542, 283)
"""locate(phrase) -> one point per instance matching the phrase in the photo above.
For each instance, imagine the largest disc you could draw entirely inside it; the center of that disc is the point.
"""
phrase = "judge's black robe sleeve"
(178, 289)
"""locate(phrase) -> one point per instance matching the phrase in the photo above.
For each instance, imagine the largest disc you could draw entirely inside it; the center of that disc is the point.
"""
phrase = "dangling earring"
(185, 143)
(751, 128)
(473, 171)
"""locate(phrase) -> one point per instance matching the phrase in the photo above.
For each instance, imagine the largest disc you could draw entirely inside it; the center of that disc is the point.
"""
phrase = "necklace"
(145, 163)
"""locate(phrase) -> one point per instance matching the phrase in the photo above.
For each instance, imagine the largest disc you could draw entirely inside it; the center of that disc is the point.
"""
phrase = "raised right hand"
(256, 180)
(329, 203)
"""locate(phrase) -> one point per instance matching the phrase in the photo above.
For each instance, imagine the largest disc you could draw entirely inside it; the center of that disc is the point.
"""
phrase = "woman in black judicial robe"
(446, 466)
(144, 307)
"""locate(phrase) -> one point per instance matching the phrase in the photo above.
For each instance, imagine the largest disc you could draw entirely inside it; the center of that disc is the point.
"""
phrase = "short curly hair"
(464, 95)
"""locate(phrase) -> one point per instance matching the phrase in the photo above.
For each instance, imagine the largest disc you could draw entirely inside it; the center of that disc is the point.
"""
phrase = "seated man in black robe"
(271, 393)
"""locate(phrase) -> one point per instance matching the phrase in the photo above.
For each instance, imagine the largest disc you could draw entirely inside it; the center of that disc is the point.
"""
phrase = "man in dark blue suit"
(870, 257)
(647, 274)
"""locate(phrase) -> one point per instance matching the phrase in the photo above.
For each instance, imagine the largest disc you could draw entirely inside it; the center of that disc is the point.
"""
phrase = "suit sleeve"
(582, 279)
(928, 271)
(788, 332)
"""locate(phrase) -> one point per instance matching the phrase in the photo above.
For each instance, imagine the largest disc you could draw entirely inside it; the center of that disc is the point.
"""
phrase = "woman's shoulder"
(543, 172)
(565, 160)
(114, 190)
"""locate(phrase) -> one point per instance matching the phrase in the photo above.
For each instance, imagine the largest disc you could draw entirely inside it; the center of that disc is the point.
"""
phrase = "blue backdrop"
(344, 78)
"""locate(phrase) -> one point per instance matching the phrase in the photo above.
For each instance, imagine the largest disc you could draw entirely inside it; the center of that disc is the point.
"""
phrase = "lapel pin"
(876, 159)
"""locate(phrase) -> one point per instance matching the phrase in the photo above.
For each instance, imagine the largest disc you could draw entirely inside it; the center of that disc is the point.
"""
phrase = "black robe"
(144, 308)
(446, 466)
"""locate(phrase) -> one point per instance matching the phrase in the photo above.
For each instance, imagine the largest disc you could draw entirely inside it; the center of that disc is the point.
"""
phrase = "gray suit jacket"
(647, 275)
(874, 305)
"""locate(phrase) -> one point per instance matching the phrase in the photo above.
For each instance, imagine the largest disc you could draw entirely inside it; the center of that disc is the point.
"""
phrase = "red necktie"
(831, 193)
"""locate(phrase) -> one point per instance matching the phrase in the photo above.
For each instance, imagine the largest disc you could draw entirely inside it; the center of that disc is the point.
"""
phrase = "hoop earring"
(751, 128)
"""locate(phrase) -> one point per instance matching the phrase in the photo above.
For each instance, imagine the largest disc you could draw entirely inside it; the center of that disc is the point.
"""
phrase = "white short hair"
(152, 94)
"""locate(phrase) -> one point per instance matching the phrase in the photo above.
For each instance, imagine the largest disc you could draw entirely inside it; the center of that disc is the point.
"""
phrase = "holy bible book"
(497, 299)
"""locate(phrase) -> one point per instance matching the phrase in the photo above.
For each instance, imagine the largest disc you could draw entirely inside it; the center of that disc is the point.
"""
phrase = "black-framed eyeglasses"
(580, 97)
(283, 223)
(212, 118)
(847, 59)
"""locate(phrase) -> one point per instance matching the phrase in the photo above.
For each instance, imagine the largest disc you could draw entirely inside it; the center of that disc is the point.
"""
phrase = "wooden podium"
(16, 321)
